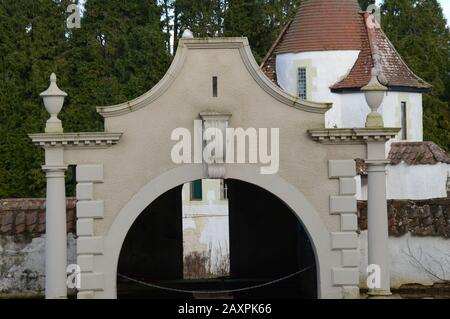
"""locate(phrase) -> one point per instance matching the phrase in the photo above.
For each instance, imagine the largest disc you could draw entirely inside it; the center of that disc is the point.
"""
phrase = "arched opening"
(270, 253)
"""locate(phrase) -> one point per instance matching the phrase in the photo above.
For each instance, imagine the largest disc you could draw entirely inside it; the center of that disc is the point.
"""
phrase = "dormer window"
(302, 85)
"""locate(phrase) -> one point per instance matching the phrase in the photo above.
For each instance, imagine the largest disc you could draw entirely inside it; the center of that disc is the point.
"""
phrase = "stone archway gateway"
(124, 169)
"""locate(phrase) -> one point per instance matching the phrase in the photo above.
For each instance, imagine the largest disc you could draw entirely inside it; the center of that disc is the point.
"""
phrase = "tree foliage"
(117, 54)
(418, 30)
(364, 4)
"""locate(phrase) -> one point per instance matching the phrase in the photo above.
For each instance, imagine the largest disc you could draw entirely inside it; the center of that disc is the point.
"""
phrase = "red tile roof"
(323, 25)
(417, 153)
(269, 63)
(411, 153)
(25, 216)
(394, 73)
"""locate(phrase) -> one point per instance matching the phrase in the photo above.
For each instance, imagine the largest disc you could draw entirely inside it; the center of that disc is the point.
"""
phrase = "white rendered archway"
(293, 198)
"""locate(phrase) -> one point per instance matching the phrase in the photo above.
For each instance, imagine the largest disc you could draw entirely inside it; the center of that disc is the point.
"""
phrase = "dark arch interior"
(267, 242)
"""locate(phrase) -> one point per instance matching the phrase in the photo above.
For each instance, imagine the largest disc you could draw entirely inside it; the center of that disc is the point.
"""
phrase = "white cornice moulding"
(81, 140)
(248, 59)
(353, 136)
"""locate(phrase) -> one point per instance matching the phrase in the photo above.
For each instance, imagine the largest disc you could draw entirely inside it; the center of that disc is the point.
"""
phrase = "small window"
(196, 190)
(404, 123)
(215, 86)
(302, 83)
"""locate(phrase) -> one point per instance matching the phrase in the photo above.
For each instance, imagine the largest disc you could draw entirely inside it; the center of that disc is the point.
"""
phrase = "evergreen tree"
(118, 54)
(259, 20)
(32, 35)
(245, 18)
(418, 30)
(202, 17)
(364, 4)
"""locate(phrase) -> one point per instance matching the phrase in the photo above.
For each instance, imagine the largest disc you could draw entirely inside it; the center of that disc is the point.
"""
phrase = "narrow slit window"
(404, 123)
(214, 86)
(197, 190)
(302, 85)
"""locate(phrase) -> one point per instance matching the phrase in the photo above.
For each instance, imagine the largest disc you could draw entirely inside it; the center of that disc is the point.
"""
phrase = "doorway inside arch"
(217, 239)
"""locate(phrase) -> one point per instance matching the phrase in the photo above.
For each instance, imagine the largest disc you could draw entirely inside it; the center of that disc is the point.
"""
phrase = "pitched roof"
(269, 63)
(394, 73)
(323, 25)
(411, 153)
(417, 153)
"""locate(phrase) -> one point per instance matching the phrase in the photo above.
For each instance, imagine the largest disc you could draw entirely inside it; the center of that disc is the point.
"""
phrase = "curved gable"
(185, 48)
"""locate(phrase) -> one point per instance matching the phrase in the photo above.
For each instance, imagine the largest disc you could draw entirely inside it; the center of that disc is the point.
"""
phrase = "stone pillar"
(378, 235)
(56, 229)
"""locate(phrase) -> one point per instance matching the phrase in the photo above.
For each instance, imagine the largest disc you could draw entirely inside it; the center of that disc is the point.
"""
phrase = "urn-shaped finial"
(374, 92)
(53, 100)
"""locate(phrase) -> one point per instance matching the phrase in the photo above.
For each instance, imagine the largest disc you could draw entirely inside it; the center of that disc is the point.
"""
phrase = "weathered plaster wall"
(206, 229)
(419, 241)
(22, 264)
(22, 245)
(417, 182)
(413, 260)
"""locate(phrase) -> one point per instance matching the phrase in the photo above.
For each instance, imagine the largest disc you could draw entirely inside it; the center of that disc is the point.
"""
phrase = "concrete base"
(374, 293)
(54, 126)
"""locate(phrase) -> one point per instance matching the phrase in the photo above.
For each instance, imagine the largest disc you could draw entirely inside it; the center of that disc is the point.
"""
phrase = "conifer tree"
(32, 37)
(364, 4)
(118, 54)
(418, 30)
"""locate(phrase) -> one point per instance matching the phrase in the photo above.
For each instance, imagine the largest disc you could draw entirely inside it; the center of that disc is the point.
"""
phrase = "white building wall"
(412, 182)
(413, 260)
(205, 224)
(324, 68)
(417, 181)
(355, 110)
(22, 265)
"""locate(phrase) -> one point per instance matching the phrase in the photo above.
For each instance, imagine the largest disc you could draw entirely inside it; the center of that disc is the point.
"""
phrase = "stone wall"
(418, 244)
(414, 226)
(418, 217)
(22, 246)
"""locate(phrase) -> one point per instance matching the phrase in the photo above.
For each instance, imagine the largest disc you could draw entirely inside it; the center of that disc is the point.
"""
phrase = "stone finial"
(375, 11)
(187, 34)
(374, 92)
(53, 100)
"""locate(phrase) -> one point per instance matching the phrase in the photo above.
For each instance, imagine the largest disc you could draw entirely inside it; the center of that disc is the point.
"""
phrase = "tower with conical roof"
(326, 55)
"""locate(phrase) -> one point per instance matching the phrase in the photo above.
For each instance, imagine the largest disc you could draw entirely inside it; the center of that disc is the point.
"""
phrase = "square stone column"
(55, 225)
(377, 217)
